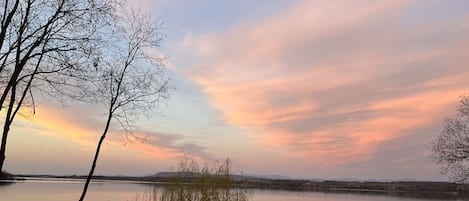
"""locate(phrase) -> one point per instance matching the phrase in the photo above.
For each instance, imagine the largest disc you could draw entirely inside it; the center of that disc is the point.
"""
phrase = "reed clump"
(192, 182)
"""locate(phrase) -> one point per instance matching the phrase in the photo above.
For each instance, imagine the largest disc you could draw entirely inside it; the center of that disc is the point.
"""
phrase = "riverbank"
(6, 176)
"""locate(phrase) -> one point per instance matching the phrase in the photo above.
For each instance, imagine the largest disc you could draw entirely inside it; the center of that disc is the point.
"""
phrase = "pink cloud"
(331, 81)
(82, 124)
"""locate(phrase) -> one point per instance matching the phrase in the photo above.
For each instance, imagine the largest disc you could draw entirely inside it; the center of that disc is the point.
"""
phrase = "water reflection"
(125, 191)
(4, 185)
(280, 195)
(171, 192)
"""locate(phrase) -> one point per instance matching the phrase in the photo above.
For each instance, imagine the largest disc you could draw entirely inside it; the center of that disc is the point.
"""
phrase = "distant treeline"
(400, 188)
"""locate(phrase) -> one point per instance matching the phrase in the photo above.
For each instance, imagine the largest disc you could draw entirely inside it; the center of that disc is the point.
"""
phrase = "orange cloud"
(83, 125)
(58, 122)
(331, 81)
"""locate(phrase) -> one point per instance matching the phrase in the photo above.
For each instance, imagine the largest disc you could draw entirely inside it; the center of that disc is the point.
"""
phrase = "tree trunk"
(6, 129)
(93, 166)
(11, 113)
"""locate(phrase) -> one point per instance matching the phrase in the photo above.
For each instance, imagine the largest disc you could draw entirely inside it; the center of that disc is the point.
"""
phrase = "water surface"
(64, 190)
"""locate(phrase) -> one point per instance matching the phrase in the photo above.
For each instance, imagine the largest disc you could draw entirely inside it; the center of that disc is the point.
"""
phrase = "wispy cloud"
(333, 81)
(83, 124)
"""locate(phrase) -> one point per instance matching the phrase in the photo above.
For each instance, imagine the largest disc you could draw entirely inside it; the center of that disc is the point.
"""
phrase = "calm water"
(60, 190)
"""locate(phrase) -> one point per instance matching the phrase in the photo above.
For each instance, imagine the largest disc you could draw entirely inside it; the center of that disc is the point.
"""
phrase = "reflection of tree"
(191, 182)
(5, 184)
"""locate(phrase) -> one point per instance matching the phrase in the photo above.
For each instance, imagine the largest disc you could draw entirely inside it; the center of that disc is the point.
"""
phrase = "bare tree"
(450, 150)
(45, 47)
(130, 81)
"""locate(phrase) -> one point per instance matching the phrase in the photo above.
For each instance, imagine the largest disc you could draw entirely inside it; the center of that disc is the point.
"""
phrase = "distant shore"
(6, 176)
(392, 188)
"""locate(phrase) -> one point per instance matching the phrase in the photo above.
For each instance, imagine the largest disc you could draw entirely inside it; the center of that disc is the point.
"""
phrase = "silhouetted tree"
(130, 81)
(45, 47)
(450, 150)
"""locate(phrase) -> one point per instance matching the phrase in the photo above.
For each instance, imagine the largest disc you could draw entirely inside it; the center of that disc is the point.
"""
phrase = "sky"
(304, 89)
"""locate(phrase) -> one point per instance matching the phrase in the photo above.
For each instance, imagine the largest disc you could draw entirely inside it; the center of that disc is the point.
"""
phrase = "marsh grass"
(193, 182)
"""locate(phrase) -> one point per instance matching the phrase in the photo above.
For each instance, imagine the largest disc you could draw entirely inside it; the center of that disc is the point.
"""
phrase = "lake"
(65, 190)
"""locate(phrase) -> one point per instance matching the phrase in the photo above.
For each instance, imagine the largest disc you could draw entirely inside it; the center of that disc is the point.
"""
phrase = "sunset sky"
(306, 89)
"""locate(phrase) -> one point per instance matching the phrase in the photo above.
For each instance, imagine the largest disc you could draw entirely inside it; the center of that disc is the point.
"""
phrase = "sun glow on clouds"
(331, 81)
(58, 122)
(83, 125)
